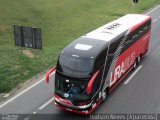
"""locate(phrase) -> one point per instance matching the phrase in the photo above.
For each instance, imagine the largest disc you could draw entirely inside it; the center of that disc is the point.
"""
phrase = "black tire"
(135, 64)
(139, 59)
(104, 95)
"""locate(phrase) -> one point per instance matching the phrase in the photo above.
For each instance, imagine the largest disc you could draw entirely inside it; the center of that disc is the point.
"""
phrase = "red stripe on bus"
(90, 84)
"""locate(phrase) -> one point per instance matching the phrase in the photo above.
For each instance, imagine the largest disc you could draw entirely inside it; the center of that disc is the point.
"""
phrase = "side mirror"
(49, 73)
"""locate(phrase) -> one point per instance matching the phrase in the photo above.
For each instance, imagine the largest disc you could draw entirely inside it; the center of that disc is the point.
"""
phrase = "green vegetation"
(61, 21)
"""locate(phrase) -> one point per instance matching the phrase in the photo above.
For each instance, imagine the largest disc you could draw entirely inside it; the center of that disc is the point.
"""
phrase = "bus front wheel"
(105, 94)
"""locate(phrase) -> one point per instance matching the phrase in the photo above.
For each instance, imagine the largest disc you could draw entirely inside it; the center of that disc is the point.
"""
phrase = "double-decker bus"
(90, 67)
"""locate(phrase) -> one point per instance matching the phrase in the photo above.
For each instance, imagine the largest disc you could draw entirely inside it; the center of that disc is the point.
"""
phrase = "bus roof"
(116, 27)
(84, 48)
(91, 44)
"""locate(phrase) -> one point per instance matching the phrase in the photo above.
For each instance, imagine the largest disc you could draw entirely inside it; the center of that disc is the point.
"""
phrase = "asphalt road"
(138, 93)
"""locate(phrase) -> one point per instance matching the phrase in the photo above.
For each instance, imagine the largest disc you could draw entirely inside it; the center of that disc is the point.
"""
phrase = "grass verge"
(61, 22)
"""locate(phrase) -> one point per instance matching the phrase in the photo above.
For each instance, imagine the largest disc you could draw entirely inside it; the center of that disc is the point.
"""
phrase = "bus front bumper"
(84, 109)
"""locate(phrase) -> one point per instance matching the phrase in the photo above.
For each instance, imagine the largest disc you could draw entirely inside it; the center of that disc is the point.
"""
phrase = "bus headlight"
(85, 106)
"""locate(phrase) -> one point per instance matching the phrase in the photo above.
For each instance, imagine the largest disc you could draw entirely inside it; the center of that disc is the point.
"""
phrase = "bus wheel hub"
(104, 96)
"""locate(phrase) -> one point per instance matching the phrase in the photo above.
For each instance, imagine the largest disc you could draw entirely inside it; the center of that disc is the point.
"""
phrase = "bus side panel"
(147, 38)
(127, 58)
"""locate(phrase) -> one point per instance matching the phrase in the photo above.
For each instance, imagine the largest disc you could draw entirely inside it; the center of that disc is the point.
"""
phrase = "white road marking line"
(45, 104)
(133, 74)
(153, 10)
(155, 20)
(21, 93)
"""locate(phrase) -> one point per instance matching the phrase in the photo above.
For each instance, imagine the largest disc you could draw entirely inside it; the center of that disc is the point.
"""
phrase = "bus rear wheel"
(135, 64)
(139, 59)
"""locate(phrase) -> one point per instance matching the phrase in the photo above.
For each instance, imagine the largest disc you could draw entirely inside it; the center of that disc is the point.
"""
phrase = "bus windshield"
(75, 66)
(73, 89)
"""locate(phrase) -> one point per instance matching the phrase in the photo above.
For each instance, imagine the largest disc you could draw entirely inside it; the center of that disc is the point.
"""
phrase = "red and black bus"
(90, 67)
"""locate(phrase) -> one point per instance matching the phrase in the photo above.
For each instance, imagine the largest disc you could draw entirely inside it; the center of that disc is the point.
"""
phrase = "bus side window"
(112, 49)
(134, 37)
(145, 28)
(140, 32)
(100, 61)
(99, 65)
(127, 43)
